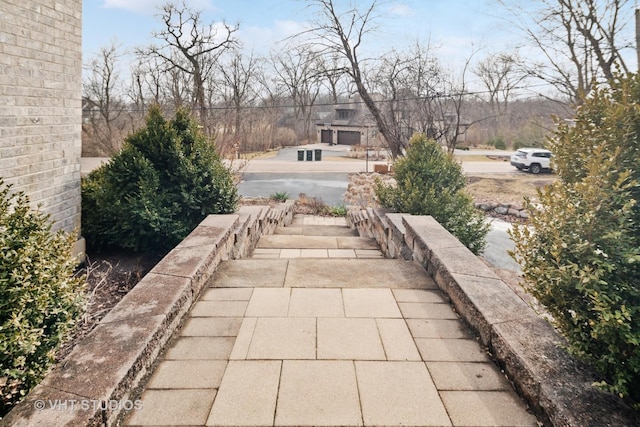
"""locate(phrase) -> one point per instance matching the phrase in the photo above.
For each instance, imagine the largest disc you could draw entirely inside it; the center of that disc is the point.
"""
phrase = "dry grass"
(505, 188)
(479, 158)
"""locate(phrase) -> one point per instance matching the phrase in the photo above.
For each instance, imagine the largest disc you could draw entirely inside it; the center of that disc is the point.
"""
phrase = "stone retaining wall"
(97, 379)
(557, 387)
(515, 211)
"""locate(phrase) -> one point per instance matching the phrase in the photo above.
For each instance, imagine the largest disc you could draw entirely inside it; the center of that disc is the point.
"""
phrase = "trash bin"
(318, 155)
(300, 155)
(309, 155)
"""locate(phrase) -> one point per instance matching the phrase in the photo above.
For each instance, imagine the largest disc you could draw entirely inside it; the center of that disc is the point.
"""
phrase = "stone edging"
(557, 387)
(95, 383)
(503, 209)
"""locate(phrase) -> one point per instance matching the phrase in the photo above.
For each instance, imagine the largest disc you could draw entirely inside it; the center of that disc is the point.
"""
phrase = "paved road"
(498, 243)
(328, 180)
(330, 187)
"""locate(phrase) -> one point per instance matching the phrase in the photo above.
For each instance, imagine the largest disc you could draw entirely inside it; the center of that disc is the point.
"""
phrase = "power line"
(332, 104)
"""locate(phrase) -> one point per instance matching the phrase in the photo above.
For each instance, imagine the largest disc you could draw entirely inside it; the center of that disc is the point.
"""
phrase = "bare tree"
(237, 87)
(104, 103)
(297, 70)
(501, 75)
(582, 41)
(343, 34)
(272, 94)
(198, 46)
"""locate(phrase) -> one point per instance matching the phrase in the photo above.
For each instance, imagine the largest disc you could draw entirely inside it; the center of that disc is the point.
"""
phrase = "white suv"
(532, 159)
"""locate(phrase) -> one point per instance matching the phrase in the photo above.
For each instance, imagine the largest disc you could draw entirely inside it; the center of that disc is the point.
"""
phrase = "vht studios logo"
(87, 404)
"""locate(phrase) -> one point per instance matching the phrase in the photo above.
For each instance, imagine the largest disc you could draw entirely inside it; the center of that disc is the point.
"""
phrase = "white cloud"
(262, 39)
(401, 9)
(150, 7)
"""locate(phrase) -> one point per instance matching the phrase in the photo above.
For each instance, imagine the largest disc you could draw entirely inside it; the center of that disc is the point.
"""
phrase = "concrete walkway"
(318, 329)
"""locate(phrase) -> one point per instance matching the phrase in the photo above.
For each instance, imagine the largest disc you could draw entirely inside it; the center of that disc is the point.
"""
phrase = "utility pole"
(638, 36)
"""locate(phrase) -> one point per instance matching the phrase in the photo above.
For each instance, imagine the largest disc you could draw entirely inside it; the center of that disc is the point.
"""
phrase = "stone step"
(280, 241)
(321, 273)
(317, 230)
(269, 253)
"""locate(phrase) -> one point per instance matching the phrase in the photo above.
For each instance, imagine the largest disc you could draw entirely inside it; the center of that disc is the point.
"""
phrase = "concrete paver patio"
(320, 341)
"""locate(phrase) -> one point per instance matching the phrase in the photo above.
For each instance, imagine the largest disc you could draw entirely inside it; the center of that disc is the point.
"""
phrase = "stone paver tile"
(368, 253)
(451, 350)
(418, 295)
(173, 407)
(219, 308)
(226, 294)
(357, 243)
(178, 374)
(399, 393)
(269, 302)
(211, 327)
(273, 255)
(317, 393)
(486, 408)
(314, 253)
(265, 251)
(243, 340)
(249, 273)
(328, 230)
(266, 256)
(355, 338)
(200, 348)
(289, 253)
(370, 303)
(283, 241)
(342, 253)
(424, 310)
(356, 273)
(283, 338)
(397, 340)
(467, 376)
(316, 303)
(437, 328)
(290, 230)
(247, 395)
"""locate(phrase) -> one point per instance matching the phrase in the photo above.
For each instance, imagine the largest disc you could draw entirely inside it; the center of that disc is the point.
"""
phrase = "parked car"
(532, 159)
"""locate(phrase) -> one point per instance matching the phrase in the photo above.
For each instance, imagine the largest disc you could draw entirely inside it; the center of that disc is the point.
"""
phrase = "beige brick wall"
(40, 104)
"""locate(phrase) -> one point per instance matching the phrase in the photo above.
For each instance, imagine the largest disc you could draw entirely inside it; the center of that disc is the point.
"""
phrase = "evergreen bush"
(166, 179)
(581, 257)
(40, 298)
(430, 182)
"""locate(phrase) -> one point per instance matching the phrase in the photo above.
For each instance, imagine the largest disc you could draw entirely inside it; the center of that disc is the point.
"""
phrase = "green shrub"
(498, 143)
(280, 196)
(163, 183)
(582, 257)
(39, 296)
(338, 210)
(430, 182)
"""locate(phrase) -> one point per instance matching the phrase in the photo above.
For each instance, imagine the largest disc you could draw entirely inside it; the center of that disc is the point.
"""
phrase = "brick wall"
(40, 104)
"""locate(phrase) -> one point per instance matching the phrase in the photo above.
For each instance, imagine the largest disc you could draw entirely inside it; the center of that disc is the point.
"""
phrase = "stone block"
(110, 361)
(559, 388)
(484, 302)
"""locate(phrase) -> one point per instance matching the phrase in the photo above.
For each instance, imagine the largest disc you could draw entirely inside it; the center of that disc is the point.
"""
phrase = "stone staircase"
(317, 328)
(316, 237)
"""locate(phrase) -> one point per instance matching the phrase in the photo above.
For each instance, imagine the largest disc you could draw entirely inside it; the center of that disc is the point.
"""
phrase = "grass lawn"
(511, 188)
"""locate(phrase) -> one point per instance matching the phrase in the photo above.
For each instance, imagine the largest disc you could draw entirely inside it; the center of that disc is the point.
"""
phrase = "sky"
(455, 27)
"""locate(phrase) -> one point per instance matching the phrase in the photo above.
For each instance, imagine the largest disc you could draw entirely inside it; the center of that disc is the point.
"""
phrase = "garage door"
(348, 137)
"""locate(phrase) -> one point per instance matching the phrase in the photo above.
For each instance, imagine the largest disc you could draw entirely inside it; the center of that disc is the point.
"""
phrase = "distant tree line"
(249, 102)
